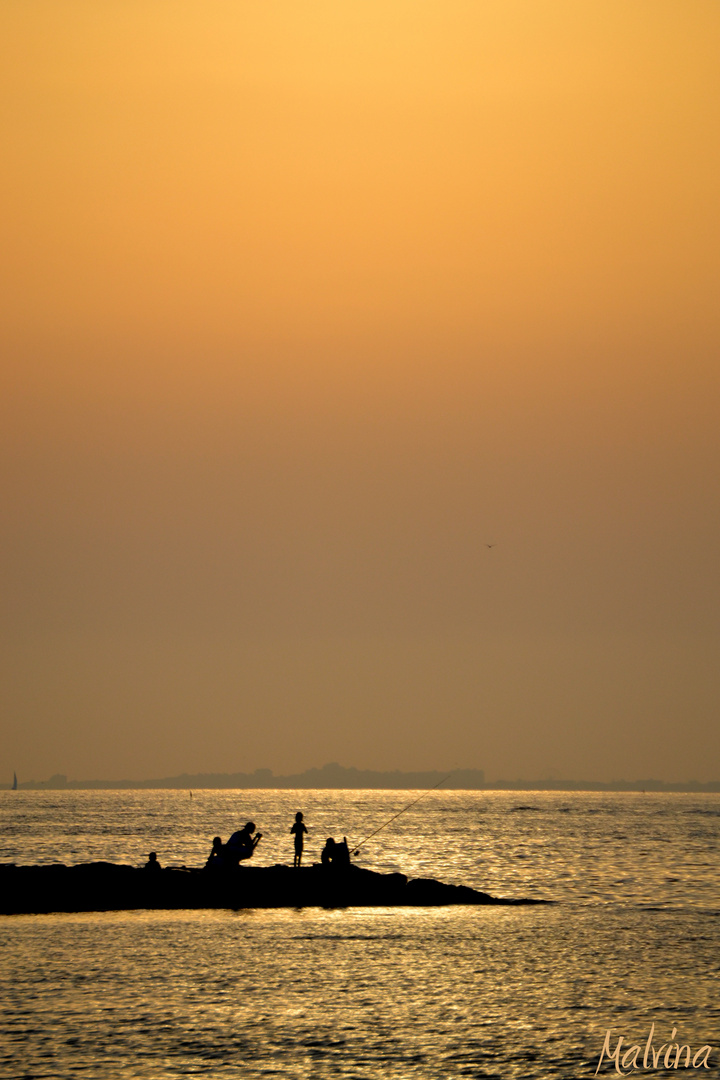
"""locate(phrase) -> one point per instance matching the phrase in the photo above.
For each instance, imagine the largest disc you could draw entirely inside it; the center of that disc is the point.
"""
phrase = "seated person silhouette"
(241, 844)
(216, 858)
(335, 856)
(152, 863)
(341, 858)
(326, 855)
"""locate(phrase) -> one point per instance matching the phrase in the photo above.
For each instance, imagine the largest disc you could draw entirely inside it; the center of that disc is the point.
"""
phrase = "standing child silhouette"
(299, 829)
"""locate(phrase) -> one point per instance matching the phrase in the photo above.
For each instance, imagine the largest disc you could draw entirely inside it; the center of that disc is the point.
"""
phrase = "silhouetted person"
(242, 844)
(341, 856)
(336, 856)
(299, 828)
(216, 858)
(152, 863)
(326, 855)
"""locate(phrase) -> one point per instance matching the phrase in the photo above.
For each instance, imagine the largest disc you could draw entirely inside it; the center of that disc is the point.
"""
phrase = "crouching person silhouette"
(241, 844)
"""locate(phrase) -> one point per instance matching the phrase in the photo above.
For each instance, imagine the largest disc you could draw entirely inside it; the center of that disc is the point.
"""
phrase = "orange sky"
(302, 306)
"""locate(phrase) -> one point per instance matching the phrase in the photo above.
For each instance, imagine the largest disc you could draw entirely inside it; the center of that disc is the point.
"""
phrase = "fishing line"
(390, 820)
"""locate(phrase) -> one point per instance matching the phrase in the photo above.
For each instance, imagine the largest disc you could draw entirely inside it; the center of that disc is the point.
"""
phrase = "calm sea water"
(634, 940)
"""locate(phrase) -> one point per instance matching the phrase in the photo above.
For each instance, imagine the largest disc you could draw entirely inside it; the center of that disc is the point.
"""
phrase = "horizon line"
(335, 776)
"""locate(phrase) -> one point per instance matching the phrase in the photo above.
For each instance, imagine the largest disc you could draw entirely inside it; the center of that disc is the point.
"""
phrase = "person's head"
(249, 827)
(152, 857)
(298, 816)
(217, 843)
(329, 842)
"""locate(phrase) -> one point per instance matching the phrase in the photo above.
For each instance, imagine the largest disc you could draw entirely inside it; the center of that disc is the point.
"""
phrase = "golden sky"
(303, 305)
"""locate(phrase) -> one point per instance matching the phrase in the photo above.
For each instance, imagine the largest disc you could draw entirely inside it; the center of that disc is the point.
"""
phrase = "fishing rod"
(390, 820)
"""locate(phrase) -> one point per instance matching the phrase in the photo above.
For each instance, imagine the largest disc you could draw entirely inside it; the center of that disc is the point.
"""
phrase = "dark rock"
(103, 886)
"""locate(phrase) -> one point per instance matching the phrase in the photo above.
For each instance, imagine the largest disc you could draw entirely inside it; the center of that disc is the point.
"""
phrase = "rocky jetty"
(103, 886)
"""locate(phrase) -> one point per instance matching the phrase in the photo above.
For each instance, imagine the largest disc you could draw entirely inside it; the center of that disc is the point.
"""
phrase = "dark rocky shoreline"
(103, 886)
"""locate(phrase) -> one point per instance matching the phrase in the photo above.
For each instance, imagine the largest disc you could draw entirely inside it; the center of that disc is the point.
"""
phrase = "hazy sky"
(305, 304)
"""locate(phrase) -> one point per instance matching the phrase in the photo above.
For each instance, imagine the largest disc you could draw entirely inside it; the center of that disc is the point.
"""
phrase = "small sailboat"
(14, 783)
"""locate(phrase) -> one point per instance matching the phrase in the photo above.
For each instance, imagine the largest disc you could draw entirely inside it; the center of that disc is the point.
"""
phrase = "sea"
(628, 949)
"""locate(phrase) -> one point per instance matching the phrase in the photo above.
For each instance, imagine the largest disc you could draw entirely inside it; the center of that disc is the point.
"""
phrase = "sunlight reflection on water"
(420, 993)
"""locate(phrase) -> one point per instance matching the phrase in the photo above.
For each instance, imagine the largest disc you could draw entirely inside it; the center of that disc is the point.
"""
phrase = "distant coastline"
(342, 778)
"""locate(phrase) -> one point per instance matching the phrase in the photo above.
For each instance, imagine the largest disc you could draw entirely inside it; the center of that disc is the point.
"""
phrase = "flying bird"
(490, 545)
